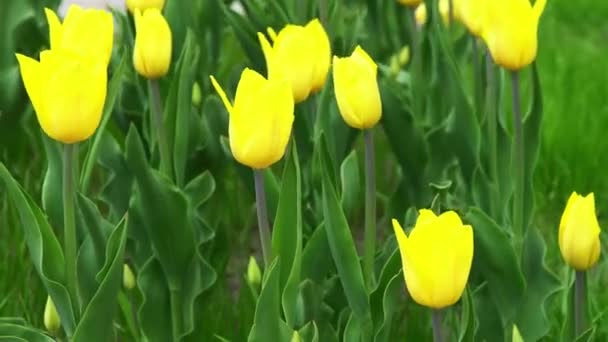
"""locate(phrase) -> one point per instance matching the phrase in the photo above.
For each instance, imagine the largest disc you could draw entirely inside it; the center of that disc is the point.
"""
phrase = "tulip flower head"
(260, 119)
(84, 32)
(152, 50)
(292, 56)
(579, 232)
(67, 91)
(322, 52)
(143, 5)
(421, 13)
(357, 90)
(510, 31)
(471, 14)
(436, 258)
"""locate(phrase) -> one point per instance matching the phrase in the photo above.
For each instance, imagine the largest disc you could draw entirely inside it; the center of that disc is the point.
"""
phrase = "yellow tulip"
(444, 10)
(579, 232)
(471, 14)
(260, 119)
(52, 322)
(322, 51)
(357, 90)
(152, 50)
(142, 5)
(412, 3)
(436, 258)
(510, 31)
(67, 92)
(84, 31)
(291, 57)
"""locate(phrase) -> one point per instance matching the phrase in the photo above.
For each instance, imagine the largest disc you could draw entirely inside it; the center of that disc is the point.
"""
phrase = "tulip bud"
(436, 258)
(152, 50)
(411, 3)
(322, 52)
(83, 32)
(516, 335)
(357, 90)
(260, 119)
(579, 232)
(67, 92)
(197, 95)
(128, 279)
(510, 31)
(254, 275)
(421, 13)
(143, 5)
(296, 337)
(52, 322)
(292, 56)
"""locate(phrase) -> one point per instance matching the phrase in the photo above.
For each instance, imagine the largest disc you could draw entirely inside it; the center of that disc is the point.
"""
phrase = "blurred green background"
(572, 62)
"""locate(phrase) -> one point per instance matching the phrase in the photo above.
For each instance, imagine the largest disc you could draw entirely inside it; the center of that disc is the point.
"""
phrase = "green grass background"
(573, 38)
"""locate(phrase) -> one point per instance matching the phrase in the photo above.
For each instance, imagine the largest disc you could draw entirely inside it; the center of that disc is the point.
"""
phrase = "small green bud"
(404, 55)
(517, 335)
(295, 337)
(52, 322)
(254, 275)
(197, 95)
(128, 279)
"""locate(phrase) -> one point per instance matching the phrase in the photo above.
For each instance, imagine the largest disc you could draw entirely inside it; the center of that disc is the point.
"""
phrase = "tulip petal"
(55, 28)
(33, 76)
(342, 84)
(222, 94)
(539, 7)
(566, 215)
(464, 258)
(267, 50)
(360, 54)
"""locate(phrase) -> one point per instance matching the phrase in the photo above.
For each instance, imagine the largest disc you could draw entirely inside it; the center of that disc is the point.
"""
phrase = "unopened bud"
(254, 275)
(128, 279)
(52, 322)
(197, 95)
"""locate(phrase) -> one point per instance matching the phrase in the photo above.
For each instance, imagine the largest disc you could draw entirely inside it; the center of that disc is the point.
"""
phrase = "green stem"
(323, 12)
(262, 211)
(69, 223)
(437, 329)
(157, 113)
(518, 160)
(369, 239)
(492, 127)
(579, 303)
(176, 314)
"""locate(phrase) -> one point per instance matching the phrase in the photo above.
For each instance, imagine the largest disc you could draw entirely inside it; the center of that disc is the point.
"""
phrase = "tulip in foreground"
(292, 56)
(260, 119)
(579, 232)
(510, 31)
(67, 91)
(436, 257)
(153, 44)
(357, 90)
(142, 5)
(471, 14)
(84, 32)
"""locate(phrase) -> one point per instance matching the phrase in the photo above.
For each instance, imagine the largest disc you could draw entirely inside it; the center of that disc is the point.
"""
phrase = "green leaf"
(45, 251)
(393, 292)
(496, 261)
(52, 186)
(154, 311)
(541, 283)
(15, 332)
(316, 258)
(468, 322)
(342, 247)
(267, 324)
(287, 234)
(114, 88)
(352, 195)
(200, 188)
(97, 319)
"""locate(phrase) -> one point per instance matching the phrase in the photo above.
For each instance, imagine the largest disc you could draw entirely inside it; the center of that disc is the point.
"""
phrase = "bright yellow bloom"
(292, 57)
(322, 51)
(421, 14)
(260, 119)
(436, 258)
(85, 32)
(142, 5)
(510, 31)
(152, 50)
(52, 322)
(357, 90)
(412, 3)
(67, 91)
(579, 232)
(471, 14)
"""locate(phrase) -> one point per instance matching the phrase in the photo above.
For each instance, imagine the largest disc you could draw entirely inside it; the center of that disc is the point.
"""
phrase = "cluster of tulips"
(67, 88)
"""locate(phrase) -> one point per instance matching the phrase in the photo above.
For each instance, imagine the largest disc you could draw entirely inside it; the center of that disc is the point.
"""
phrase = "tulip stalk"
(69, 223)
(437, 330)
(157, 113)
(262, 211)
(518, 159)
(369, 239)
(579, 302)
